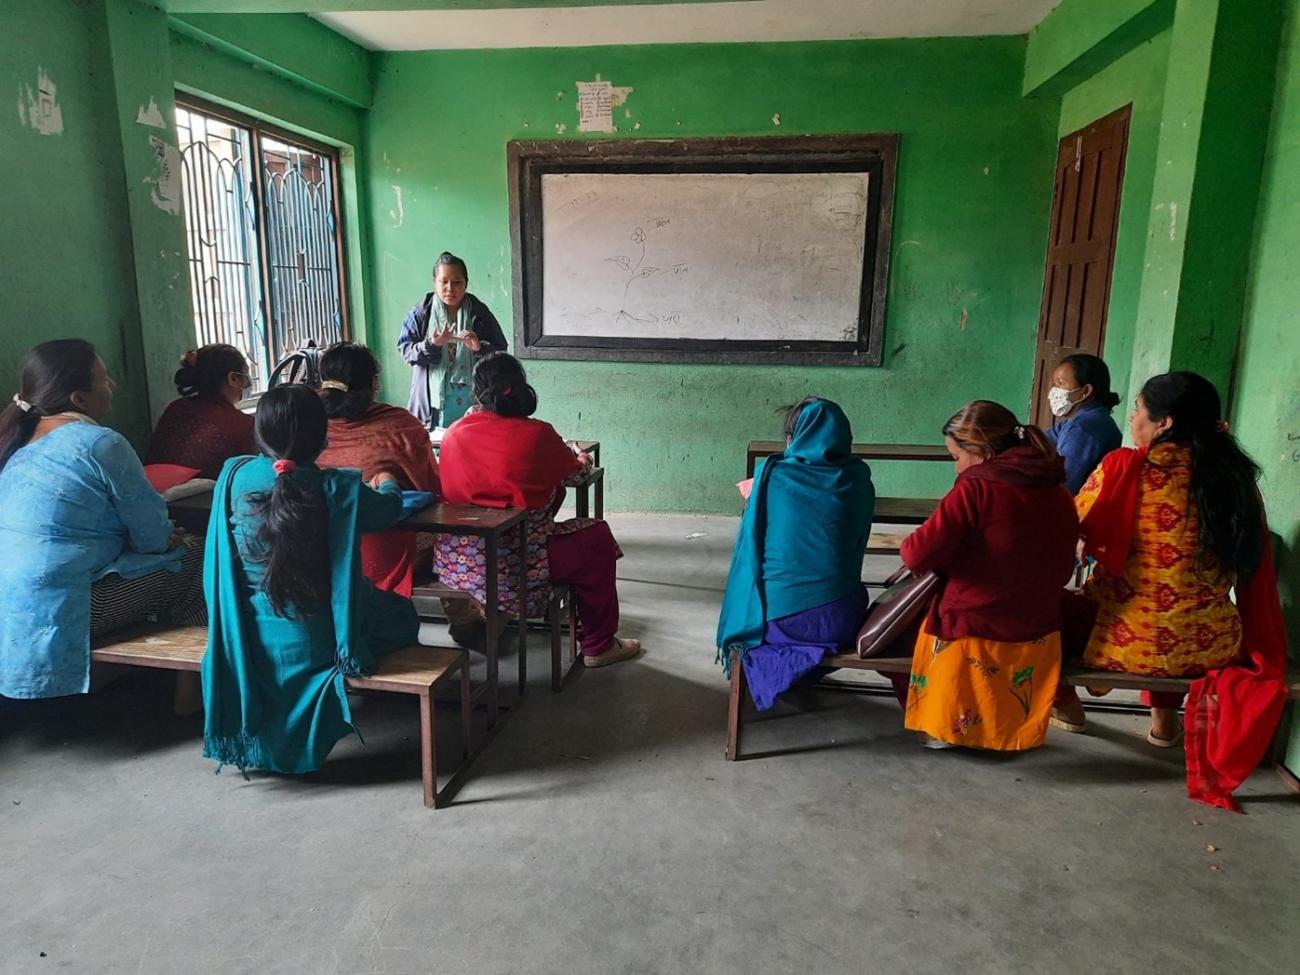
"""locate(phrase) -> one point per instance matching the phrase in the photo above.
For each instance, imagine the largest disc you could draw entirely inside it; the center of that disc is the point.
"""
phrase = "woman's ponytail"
(292, 540)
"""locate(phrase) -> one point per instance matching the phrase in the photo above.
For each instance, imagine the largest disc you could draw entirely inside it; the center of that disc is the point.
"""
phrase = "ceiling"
(472, 24)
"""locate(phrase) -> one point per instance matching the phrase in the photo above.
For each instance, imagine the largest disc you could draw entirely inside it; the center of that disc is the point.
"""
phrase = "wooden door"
(1080, 248)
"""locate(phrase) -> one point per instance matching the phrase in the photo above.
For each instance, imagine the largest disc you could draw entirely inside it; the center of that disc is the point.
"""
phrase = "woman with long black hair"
(87, 544)
(291, 614)
(1175, 524)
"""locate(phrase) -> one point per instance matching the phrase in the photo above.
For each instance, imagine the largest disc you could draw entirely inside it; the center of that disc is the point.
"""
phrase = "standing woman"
(291, 615)
(988, 657)
(1082, 431)
(203, 428)
(794, 591)
(87, 544)
(1175, 523)
(442, 338)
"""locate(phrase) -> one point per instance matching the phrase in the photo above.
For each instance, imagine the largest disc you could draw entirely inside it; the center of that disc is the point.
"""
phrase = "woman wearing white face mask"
(1083, 431)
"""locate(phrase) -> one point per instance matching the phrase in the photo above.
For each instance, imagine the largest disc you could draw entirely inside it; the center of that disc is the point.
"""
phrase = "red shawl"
(1232, 713)
(385, 439)
(503, 462)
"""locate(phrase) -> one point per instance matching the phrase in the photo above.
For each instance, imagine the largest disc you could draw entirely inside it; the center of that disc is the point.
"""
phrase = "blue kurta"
(274, 687)
(1083, 439)
(74, 506)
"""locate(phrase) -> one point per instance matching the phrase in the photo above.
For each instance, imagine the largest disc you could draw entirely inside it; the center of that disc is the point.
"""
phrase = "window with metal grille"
(263, 232)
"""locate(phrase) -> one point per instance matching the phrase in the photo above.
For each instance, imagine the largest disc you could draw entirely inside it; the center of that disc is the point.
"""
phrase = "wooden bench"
(413, 670)
(560, 610)
(1072, 676)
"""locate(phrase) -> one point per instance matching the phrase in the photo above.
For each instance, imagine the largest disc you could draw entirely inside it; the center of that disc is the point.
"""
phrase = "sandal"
(1158, 742)
(1062, 723)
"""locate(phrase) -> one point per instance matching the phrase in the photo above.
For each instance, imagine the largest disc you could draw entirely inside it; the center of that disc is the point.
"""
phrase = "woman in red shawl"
(375, 438)
(497, 457)
(203, 429)
(1174, 524)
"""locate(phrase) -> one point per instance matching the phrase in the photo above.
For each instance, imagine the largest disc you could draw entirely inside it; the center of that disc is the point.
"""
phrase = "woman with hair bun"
(1082, 429)
(499, 457)
(442, 338)
(375, 437)
(203, 428)
(988, 657)
(1176, 523)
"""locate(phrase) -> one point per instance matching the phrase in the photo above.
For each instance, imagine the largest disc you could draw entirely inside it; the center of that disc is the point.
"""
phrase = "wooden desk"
(490, 524)
(581, 488)
(866, 451)
(903, 511)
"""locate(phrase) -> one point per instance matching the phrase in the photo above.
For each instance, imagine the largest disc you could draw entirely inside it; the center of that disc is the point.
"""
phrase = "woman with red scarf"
(496, 456)
(988, 657)
(1175, 523)
(375, 438)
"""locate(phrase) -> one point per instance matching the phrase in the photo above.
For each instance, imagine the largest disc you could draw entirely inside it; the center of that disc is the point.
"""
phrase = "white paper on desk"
(187, 489)
(436, 435)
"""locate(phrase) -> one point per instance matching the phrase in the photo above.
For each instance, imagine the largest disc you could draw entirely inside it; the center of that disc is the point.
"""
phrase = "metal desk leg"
(580, 500)
(600, 497)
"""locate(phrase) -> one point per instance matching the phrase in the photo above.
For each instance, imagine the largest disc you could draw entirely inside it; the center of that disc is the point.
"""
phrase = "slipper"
(1061, 724)
(1154, 739)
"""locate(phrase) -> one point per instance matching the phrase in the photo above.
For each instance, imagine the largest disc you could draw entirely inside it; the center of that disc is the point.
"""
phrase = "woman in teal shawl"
(794, 592)
(290, 615)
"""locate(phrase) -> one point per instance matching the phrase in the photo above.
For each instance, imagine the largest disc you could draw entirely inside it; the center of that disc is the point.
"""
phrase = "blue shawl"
(274, 693)
(804, 533)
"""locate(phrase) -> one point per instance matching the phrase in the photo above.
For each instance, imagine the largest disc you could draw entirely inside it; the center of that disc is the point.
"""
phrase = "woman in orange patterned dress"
(1162, 609)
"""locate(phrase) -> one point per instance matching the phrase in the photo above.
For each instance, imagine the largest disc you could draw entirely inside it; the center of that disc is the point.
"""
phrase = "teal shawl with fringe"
(273, 686)
(804, 532)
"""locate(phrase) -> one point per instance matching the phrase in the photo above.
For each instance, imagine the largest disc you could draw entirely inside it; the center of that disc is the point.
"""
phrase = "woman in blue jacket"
(1083, 431)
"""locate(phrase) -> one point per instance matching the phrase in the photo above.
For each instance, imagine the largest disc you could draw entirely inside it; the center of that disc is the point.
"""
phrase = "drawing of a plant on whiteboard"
(638, 272)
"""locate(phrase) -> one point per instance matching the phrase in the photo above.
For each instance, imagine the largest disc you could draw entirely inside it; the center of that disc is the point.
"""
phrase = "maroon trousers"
(585, 561)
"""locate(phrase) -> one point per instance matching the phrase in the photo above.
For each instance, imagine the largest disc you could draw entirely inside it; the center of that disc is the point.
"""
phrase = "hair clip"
(284, 466)
(190, 358)
(1020, 433)
(507, 390)
(1222, 426)
(22, 404)
(335, 384)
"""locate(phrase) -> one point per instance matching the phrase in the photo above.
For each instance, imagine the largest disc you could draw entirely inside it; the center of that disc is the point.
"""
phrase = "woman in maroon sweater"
(988, 657)
(204, 428)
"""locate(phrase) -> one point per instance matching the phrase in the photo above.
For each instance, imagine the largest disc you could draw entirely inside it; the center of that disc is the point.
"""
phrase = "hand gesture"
(442, 337)
(382, 478)
(471, 340)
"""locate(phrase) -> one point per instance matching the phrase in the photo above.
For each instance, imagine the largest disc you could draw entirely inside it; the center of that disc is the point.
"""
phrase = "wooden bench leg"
(466, 709)
(580, 501)
(735, 703)
(428, 750)
(600, 497)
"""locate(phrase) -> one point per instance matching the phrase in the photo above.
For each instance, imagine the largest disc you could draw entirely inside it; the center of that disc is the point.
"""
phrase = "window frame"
(257, 129)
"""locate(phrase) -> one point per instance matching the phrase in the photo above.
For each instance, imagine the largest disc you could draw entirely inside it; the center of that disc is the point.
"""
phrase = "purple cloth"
(793, 645)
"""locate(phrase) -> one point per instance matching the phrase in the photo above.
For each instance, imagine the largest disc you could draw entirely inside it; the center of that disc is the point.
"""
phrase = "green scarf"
(804, 532)
(274, 692)
(457, 361)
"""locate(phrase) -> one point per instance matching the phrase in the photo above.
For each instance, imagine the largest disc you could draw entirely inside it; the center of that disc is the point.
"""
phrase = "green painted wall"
(1266, 403)
(974, 187)
(66, 249)
(1080, 37)
(1138, 79)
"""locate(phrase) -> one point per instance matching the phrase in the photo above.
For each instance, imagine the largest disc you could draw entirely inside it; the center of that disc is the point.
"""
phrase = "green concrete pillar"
(143, 87)
(1218, 96)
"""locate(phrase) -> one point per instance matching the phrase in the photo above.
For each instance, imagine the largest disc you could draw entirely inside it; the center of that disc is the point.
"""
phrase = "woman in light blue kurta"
(291, 615)
(77, 516)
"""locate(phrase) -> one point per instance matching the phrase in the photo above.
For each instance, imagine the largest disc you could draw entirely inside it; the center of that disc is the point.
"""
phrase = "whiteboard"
(775, 257)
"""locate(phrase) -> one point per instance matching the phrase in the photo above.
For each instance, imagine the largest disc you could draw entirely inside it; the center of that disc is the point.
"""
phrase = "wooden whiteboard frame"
(528, 162)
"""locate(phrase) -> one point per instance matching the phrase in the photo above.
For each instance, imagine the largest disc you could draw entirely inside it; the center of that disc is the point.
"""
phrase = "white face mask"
(1058, 400)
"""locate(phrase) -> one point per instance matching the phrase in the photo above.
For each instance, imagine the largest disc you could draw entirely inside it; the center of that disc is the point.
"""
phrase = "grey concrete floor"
(602, 832)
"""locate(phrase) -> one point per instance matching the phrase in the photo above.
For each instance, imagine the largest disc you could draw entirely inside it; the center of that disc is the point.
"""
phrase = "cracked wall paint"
(165, 179)
(40, 109)
(398, 213)
(596, 103)
(150, 115)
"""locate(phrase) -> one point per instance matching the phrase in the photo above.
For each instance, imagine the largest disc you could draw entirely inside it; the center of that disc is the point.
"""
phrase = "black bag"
(301, 366)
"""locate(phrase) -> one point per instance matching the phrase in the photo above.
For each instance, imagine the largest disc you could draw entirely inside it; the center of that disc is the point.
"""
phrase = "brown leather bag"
(895, 617)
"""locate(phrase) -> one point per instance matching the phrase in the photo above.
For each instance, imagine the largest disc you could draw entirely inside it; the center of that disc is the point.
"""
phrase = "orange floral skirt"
(982, 693)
